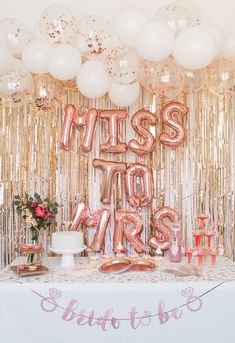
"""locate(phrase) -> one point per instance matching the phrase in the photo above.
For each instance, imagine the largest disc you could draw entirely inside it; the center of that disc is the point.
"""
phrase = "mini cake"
(67, 240)
(107, 257)
(146, 257)
(94, 259)
(133, 256)
(120, 255)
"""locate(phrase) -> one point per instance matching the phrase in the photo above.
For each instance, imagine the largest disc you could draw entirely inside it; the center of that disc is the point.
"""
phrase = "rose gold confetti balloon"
(164, 79)
(46, 92)
(221, 74)
(194, 80)
(58, 25)
(175, 16)
(123, 65)
(95, 35)
(16, 85)
(15, 35)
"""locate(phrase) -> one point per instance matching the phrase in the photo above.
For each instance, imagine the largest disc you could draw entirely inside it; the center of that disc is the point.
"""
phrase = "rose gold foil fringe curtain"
(193, 179)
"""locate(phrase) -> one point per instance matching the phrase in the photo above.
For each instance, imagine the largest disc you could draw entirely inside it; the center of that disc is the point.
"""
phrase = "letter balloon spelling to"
(99, 220)
(169, 113)
(160, 241)
(139, 185)
(109, 169)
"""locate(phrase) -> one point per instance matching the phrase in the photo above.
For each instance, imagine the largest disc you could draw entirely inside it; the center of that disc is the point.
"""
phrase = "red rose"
(33, 204)
(48, 214)
(40, 212)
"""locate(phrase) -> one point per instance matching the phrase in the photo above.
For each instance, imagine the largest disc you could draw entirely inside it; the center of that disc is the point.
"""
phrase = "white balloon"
(194, 48)
(35, 56)
(92, 80)
(6, 59)
(193, 10)
(216, 33)
(124, 95)
(229, 46)
(128, 23)
(15, 35)
(64, 62)
(155, 41)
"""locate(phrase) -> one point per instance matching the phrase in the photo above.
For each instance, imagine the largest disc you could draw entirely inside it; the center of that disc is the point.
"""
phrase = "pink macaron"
(36, 247)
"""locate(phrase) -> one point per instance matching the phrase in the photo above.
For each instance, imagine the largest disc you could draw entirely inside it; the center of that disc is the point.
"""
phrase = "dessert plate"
(115, 266)
(142, 266)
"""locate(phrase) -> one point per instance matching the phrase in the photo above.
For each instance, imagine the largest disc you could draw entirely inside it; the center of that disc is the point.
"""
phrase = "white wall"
(220, 12)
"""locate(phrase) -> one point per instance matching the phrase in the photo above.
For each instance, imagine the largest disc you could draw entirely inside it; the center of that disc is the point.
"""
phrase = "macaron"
(32, 268)
(20, 267)
(38, 265)
(24, 247)
(36, 247)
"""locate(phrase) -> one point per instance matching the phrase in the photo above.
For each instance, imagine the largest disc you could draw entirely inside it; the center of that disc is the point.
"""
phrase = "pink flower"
(33, 204)
(48, 214)
(40, 212)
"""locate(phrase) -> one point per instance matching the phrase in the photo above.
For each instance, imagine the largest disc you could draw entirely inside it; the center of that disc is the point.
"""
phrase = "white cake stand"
(67, 259)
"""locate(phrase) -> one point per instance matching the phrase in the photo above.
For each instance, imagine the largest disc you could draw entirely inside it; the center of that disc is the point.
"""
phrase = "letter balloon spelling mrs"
(160, 242)
(99, 220)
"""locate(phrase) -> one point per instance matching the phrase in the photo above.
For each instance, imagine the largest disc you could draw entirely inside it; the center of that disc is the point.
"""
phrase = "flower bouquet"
(37, 213)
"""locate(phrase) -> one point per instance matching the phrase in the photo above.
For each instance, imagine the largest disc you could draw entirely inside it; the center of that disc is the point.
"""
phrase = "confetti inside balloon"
(58, 25)
(221, 80)
(95, 35)
(193, 10)
(46, 91)
(15, 35)
(195, 80)
(123, 65)
(16, 85)
(175, 16)
(164, 79)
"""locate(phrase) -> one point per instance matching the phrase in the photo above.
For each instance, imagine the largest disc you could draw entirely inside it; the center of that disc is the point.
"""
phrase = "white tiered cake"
(67, 240)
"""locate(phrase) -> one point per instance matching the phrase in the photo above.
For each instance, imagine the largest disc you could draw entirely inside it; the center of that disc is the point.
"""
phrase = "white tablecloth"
(34, 309)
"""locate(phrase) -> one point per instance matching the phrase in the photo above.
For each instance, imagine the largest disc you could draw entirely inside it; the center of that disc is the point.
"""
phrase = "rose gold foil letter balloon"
(113, 118)
(148, 141)
(99, 220)
(170, 111)
(139, 185)
(161, 240)
(87, 121)
(109, 170)
(130, 224)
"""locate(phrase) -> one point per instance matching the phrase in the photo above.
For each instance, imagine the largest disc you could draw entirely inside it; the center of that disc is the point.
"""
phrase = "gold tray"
(27, 272)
